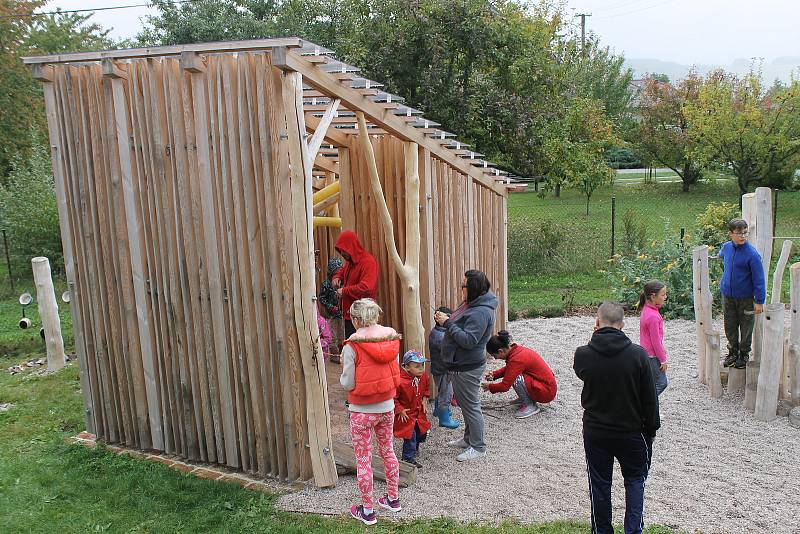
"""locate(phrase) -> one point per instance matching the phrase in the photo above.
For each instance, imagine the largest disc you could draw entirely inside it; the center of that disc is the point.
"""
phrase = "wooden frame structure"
(184, 177)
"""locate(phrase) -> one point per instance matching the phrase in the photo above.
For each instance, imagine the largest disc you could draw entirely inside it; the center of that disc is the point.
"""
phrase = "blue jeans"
(633, 452)
(411, 446)
(659, 376)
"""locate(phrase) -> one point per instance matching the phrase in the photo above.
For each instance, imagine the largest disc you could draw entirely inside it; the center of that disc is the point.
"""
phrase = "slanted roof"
(326, 79)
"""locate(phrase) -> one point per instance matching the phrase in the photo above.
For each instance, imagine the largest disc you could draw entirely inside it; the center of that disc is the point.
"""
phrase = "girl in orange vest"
(371, 374)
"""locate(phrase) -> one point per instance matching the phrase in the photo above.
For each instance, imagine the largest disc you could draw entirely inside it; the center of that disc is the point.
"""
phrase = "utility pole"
(583, 30)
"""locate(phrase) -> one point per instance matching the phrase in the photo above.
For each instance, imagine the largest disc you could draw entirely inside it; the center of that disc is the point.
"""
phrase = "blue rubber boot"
(446, 419)
(436, 408)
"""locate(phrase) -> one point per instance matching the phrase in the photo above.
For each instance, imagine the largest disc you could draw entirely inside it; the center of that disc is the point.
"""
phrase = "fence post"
(613, 221)
(48, 311)
(774, 209)
(8, 262)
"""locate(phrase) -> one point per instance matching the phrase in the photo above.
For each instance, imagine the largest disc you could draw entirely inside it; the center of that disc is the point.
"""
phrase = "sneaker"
(389, 504)
(730, 359)
(470, 454)
(458, 443)
(741, 361)
(527, 410)
(357, 512)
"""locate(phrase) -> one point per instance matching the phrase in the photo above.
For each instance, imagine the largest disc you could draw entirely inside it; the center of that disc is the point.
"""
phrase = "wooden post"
(702, 306)
(712, 364)
(794, 333)
(48, 311)
(408, 272)
(771, 363)
(762, 240)
(736, 379)
(751, 384)
(777, 277)
(317, 406)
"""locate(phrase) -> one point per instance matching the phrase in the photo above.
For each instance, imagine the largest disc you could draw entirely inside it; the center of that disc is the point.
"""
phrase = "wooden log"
(771, 363)
(777, 277)
(346, 459)
(48, 311)
(762, 240)
(736, 379)
(712, 364)
(702, 316)
(751, 384)
(794, 332)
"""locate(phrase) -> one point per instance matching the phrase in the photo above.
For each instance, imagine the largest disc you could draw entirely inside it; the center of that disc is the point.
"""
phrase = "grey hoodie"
(464, 343)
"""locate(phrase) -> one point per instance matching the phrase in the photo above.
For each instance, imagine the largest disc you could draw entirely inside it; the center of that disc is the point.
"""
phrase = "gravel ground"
(715, 468)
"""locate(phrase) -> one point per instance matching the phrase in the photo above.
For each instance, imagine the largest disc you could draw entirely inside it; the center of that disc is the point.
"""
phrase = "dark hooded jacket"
(359, 276)
(435, 345)
(467, 332)
(619, 395)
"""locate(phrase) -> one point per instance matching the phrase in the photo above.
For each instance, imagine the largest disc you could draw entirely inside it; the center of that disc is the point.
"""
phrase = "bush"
(668, 261)
(535, 246)
(634, 233)
(29, 214)
(712, 224)
(623, 158)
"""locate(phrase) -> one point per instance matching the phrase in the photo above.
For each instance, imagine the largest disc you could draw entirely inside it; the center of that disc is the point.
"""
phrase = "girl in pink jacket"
(651, 330)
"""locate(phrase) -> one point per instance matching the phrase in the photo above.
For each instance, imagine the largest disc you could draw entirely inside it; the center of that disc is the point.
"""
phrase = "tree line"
(512, 79)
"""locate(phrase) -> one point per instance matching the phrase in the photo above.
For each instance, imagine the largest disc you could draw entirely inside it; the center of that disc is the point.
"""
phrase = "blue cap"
(413, 356)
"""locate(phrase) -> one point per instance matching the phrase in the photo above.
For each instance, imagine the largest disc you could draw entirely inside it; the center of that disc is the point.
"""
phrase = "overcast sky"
(683, 31)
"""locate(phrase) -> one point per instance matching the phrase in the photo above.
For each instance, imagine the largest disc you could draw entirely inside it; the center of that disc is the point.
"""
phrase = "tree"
(737, 125)
(663, 129)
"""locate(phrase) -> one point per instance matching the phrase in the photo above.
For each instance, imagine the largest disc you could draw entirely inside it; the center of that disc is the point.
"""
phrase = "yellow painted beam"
(333, 222)
(325, 192)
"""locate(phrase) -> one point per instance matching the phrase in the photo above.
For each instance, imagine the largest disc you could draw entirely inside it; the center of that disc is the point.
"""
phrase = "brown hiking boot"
(730, 359)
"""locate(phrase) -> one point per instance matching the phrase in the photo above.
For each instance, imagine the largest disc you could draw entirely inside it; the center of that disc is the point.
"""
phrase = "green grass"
(544, 287)
(48, 486)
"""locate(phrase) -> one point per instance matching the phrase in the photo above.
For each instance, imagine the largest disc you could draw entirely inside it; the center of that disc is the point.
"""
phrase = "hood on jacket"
(609, 341)
(348, 242)
(381, 350)
(488, 299)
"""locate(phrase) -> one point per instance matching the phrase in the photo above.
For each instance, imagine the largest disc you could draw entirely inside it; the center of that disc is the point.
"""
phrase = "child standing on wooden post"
(651, 330)
(441, 377)
(370, 375)
(410, 411)
(744, 291)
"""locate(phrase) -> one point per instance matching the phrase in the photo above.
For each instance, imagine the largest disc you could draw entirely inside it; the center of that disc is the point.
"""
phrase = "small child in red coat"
(525, 371)
(410, 405)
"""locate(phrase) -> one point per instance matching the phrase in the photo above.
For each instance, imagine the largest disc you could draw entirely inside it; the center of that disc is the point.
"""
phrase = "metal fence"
(555, 235)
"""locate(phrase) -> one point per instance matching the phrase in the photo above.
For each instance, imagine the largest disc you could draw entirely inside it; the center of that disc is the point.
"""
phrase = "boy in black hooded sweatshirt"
(620, 417)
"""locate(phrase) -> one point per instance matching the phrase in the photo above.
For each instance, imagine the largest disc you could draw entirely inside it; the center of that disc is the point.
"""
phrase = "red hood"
(348, 242)
(382, 350)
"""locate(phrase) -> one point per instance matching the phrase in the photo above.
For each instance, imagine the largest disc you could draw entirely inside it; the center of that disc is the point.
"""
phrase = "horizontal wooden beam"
(43, 73)
(327, 164)
(332, 135)
(284, 59)
(171, 50)
(112, 70)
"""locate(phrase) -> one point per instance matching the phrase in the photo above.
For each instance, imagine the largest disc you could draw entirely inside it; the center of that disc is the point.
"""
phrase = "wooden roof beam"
(332, 135)
(352, 98)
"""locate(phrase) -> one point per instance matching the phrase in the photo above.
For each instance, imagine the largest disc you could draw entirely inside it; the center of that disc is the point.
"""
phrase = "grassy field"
(543, 283)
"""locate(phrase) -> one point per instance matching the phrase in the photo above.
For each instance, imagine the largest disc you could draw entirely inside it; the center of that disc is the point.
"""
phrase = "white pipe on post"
(769, 377)
(48, 311)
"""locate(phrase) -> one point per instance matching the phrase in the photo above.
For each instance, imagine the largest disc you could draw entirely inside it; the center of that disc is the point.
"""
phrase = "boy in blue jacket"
(744, 291)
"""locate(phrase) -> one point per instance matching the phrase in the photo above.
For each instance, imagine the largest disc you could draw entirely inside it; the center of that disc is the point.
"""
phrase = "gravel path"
(715, 467)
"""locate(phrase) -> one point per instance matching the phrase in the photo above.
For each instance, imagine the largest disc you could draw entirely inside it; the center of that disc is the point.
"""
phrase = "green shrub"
(28, 211)
(536, 246)
(668, 261)
(634, 233)
(623, 158)
(712, 224)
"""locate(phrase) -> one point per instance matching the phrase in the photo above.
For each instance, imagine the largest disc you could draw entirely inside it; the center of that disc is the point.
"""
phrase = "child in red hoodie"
(410, 412)
(525, 371)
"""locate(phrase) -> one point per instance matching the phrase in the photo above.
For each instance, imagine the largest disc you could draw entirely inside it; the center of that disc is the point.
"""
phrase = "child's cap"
(413, 356)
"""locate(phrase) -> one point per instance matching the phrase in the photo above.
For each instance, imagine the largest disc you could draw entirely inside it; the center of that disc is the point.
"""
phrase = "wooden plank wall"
(208, 193)
(468, 228)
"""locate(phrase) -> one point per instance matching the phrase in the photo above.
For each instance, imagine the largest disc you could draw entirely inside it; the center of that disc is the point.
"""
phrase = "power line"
(87, 10)
(638, 10)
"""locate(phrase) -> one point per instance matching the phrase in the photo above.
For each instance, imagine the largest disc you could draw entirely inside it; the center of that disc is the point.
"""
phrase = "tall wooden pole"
(48, 311)
(771, 363)
(702, 306)
(794, 335)
(712, 364)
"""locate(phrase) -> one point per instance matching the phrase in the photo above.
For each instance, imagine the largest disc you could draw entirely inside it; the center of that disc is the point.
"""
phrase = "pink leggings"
(361, 426)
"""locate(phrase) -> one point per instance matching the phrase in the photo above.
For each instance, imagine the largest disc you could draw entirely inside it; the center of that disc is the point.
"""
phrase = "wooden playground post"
(48, 311)
(762, 240)
(751, 384)
(702, 306)
(794, 335)
(771, 363)
(712, 363)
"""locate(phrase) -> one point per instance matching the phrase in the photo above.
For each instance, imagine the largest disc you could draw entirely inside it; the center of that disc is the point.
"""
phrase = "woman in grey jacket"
(467, 330)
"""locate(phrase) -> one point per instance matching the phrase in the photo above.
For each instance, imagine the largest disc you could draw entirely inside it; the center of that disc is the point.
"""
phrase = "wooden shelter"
(185, 177)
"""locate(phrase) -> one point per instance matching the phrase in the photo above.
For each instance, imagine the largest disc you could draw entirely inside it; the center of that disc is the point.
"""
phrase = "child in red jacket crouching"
(410, 412)
(525, 371)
